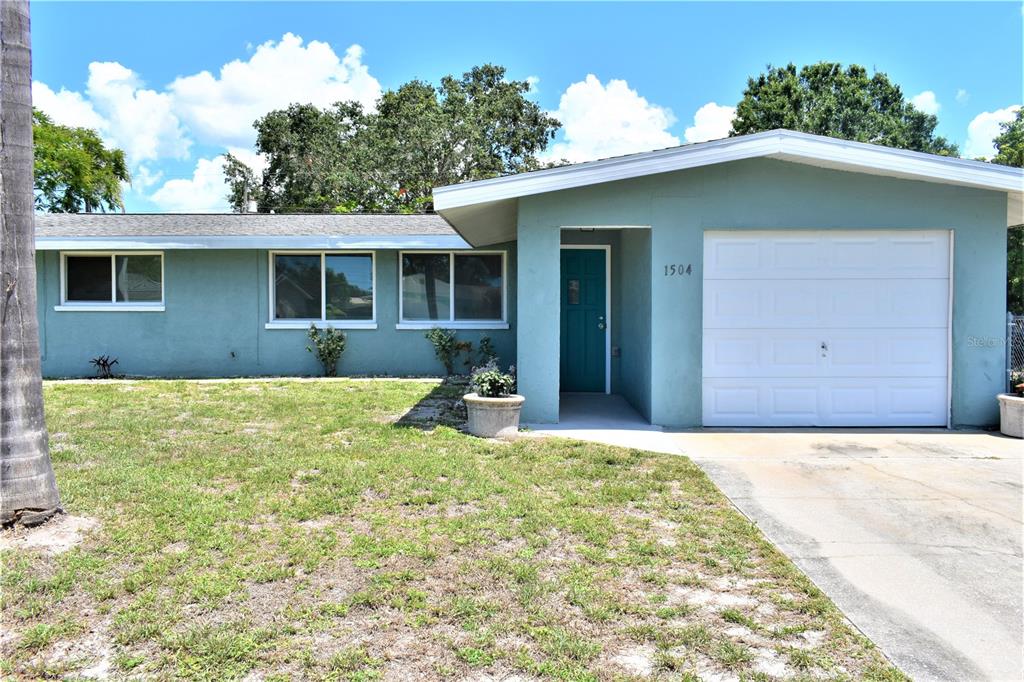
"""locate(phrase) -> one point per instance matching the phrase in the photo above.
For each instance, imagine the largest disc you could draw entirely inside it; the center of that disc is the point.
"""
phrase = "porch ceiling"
(492, 222)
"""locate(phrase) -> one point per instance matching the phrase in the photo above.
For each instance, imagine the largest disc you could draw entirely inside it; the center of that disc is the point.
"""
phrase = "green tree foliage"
(1015, 270)
(1010, 142)
(346, 159)
(314, 162)
(74, 171)
(1010, 152)
(244, 187)
(826, 99)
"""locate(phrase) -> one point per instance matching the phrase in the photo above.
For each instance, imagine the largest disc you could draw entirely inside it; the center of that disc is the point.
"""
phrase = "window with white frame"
(466, 288)
(129, 280)
(322, 286)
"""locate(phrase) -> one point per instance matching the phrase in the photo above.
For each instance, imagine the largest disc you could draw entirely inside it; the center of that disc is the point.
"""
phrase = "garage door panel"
(850, 404)
(918, 255)
(793, 402)
(848, 256)
(823, 303)
(732, 403)
(883, 303)
(900, 402)
(825, 328)
(763, 353)
(793, 255)
(824, 402)
(738, 304)
(886, 353)
(813, 254)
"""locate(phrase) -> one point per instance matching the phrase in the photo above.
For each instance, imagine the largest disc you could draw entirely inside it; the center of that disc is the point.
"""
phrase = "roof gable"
(456, 202)
(788, 145)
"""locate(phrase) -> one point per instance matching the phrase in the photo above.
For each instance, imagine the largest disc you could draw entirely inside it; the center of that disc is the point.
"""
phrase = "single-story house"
(776, 279)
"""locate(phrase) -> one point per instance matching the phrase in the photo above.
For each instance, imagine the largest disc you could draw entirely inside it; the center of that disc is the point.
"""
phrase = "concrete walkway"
(915, 535)
(607, 419)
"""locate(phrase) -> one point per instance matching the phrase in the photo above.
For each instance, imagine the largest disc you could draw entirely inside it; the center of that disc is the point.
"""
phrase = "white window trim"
(112, 305)
(451, 322)
(322, 322)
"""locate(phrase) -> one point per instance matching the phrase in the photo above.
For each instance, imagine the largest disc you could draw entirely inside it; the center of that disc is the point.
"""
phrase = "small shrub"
(485, 349)
(447, 348)
(104, 366)
(490, 382)
(327, 345)
(1017, 382)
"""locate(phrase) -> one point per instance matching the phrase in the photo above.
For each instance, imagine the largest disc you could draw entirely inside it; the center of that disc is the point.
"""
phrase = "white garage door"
(825, 328)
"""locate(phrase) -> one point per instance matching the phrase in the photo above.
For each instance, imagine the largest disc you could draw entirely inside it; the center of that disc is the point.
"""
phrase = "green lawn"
(304, 529)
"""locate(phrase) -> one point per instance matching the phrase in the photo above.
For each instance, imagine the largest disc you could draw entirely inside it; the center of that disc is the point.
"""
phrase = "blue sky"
(621, 77)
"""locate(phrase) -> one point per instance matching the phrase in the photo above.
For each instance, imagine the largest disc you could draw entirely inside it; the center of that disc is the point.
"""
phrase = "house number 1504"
(678, 269)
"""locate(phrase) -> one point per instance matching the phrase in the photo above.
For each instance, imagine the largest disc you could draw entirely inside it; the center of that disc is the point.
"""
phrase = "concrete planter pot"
(493, 417)
(1011, 415)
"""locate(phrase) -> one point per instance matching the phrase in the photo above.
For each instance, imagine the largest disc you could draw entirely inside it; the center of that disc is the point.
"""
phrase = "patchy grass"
(329, 530)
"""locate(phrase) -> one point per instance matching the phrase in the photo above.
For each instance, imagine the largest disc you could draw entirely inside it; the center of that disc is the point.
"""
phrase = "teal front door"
(584, 323)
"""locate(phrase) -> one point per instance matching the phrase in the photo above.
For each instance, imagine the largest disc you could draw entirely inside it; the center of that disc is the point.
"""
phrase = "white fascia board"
(781, 144)
(609, 170)
(363, 242)
(874, 159)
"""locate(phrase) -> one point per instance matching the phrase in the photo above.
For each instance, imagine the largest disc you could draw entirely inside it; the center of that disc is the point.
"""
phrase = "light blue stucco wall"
(635, 317)
(539, 265)
(757, 194)
(216, 309)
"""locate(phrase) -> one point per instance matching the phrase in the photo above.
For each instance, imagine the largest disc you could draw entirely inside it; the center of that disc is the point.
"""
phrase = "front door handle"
(601, 326)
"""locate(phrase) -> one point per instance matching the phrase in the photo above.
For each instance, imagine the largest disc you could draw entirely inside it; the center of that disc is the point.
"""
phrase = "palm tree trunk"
(28, 489)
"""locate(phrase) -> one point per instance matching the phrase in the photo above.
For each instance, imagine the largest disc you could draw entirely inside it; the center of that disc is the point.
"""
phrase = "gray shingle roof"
(50, 225)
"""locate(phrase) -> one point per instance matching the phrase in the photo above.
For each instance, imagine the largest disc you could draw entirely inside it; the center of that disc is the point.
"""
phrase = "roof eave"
(283, 242)
(782, 144)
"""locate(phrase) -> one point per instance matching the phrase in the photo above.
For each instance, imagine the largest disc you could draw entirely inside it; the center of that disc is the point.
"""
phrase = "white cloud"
(221, 109)
(65, 107)
(138, 120)
(204, 192)
(126, 115)
(534, 83)
(144, 176)
(217, 110)
(962, 96)
(926, 102)
(983, 129)
(254, 160)
(600, 121)
(711, 122)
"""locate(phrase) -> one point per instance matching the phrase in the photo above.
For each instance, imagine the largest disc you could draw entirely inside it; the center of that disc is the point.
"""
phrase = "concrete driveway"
(915, 536)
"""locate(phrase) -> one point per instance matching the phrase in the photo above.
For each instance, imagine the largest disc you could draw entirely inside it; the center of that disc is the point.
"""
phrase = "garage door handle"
(824, 348)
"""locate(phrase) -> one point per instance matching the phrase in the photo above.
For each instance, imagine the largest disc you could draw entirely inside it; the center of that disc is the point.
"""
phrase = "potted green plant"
(493, 408)
(1011, 407)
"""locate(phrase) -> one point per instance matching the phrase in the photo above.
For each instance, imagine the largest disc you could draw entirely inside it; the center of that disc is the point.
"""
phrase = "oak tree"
(420, 136)
(74, 170)
(827, 99)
